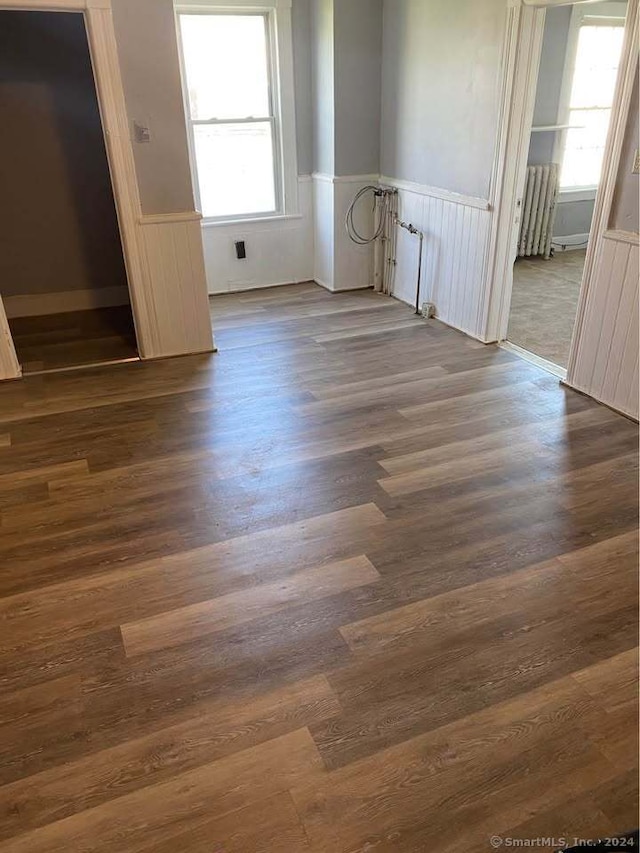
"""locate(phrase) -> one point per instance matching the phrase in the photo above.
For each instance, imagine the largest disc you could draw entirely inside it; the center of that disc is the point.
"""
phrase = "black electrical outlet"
(241, 251)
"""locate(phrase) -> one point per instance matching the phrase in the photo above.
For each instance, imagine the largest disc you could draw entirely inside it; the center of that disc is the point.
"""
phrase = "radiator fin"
(538, 210)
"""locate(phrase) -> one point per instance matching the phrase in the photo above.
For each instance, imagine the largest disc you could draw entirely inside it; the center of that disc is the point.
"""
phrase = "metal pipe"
(413, 230)
(378, 278)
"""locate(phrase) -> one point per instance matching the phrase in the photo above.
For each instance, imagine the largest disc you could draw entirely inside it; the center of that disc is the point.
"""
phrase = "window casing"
(591, 68)
(237, 72)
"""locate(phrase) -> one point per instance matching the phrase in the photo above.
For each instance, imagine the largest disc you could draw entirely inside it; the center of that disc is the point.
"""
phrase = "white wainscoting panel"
(456, 236)
(605, 351)
(323, 231)
(339, 263)
(279, 250)
(353, 263)
(175, 317)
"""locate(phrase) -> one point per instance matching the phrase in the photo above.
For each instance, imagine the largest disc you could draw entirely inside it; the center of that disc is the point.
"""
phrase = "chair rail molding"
(159, 302)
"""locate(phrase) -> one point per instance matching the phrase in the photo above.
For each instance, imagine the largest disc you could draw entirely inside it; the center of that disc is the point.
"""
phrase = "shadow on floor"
(56, 341)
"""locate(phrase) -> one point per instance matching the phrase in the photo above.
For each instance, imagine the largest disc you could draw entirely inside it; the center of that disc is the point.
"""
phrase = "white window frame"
(606, 13)
(277, 14)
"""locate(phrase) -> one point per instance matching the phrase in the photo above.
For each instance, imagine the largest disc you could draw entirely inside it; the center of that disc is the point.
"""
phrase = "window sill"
(255, 220)
(567, 196)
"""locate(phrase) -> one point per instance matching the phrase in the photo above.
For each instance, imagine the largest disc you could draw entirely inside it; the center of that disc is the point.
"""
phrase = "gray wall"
(358, 80)
(57, 217)
(440, 78)
(323, 87)
(573, 217)
(624, 215)
(302, 52)
(147, 46)
(554, 48)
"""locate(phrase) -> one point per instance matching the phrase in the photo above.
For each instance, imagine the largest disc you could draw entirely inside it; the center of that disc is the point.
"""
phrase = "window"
(592, 84)
(234, 100)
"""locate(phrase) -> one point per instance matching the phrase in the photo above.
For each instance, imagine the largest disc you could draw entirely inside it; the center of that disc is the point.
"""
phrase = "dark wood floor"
(58, 341)
(355, 583)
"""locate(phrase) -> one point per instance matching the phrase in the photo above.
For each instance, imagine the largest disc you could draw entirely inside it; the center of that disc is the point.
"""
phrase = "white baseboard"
(571, 241)
(341, 289)
(36, 304)
(249, 286)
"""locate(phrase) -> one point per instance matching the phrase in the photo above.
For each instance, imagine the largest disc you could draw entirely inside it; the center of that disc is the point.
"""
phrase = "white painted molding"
(259, 220)
(571, 241)
(305, 179)
(520, 62)
(9, 364)
(36, 304)
(410, 186)
(608, 179)
(436, 192)
(532, 358)
(345, 179)
(106, 65)
(573, 196)
(543, 4)
(169, 218)
(622, 237)
(49, 5)
(230, 5)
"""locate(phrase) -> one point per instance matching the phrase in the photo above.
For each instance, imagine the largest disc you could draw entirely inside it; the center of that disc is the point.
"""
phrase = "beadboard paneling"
(175, 318)
(455, 245)
(606, 362)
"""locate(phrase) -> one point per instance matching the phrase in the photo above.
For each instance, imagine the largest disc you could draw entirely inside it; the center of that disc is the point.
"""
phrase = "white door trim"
(523, 47)
(152, 308)
(605, 194)
(521, 59)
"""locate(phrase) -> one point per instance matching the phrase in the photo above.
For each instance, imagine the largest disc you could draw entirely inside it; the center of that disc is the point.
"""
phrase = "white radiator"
(538, 210)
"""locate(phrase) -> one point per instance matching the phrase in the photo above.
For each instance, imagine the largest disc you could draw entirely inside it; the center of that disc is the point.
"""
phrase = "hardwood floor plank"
(270, 826)
(540, 591)
(38, 724)
(105, 599)
(356, 582)
(439, 787)
(208, 617)
(540, 433)
(144, 817)
(217, 730)
(20, 479)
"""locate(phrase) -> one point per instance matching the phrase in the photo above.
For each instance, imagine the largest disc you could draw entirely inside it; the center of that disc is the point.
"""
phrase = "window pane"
(592, 91)
(235, 168)
(226, 65)
(596, 67)
(584, 149)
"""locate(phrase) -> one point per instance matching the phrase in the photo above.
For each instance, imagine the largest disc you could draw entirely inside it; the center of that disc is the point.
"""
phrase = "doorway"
(580, 57)
(62, 271)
